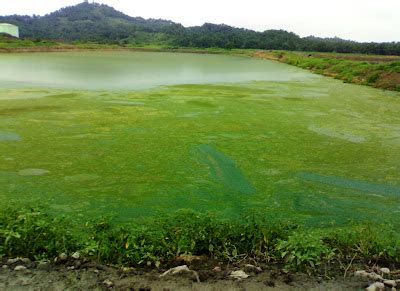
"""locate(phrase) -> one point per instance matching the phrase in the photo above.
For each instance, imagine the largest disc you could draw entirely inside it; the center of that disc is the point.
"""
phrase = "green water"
(287, 145)
(134, 70)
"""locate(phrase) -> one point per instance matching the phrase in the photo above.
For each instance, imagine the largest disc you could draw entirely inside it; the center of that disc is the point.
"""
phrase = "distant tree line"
(101, 23)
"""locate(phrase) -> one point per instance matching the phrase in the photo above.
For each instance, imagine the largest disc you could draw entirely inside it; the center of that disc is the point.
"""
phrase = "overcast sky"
(361, 20)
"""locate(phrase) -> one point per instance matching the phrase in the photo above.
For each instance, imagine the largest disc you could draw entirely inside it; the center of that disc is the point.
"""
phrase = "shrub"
(32, 233)
(304, 250)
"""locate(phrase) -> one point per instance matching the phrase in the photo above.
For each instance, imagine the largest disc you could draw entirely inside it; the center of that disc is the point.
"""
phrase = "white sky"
(361, 20)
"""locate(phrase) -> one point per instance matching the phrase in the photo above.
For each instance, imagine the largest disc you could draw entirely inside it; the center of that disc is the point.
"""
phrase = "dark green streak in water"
(223, 170)
(388, 190)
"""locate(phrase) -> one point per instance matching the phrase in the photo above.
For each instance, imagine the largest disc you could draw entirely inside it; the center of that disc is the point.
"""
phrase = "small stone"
(176, 270)
(238, 275)
(20, 268)
(76, 255)
(70, 268)
(25, 260)
(13, 261)
(374, 276)
(390, 283)
(4, 267)
(63, 257)
(108, 283)
(217, 269)
(377, 286)
(362, 274)
(385, 271)
(96, 271)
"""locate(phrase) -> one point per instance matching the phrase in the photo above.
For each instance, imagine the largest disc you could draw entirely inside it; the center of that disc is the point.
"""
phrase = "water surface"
(135, 70)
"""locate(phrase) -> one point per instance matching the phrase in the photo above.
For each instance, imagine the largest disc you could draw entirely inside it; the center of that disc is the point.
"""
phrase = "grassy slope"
(376, 71)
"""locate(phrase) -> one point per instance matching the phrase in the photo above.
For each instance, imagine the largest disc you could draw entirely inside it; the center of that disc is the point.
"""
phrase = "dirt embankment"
(82, 274)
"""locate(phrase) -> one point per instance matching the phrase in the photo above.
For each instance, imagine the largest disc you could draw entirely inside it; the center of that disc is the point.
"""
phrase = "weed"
(31, 232)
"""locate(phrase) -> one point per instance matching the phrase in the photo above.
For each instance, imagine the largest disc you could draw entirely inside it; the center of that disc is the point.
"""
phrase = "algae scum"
(271, 140)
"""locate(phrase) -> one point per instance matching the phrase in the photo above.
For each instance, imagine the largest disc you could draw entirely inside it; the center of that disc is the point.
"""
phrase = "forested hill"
(101, 23)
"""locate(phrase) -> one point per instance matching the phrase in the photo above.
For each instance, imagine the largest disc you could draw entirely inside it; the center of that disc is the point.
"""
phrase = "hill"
(102, 23)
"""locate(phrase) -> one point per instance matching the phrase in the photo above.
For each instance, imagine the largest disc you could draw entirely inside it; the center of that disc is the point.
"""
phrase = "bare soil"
(88, 275)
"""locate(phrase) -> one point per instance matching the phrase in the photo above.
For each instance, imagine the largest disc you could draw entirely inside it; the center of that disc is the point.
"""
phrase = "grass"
(376, 71)
(32, 232)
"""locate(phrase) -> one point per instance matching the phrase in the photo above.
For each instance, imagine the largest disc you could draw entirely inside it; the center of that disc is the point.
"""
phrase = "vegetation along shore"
(193, 248)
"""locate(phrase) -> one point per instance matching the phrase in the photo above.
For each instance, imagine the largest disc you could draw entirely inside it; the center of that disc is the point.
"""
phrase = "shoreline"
(83, 274)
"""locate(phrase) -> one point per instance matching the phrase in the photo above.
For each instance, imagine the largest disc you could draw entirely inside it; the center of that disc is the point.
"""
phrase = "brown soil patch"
(389, 80)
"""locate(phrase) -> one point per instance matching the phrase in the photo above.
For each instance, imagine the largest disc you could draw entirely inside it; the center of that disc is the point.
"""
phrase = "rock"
(217, 269)
(20, 268)
(43, 266)
(362, 274)
(13, 261)
(25, 260)
(238, 275)
(385, 271)
(76, 255)
(176, 271)
(108, 283)
(96, 271)
(374, 276)
(4, 267)
(70, 268)
(62, 257)
(181, 270)
(377, 286)
(252, 268)
(390, 283)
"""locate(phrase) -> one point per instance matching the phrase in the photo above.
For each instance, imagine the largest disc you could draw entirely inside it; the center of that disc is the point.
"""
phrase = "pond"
(228, 135)
(135, 70)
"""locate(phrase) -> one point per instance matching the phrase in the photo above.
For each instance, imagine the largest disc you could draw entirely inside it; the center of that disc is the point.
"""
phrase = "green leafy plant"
(304, 250)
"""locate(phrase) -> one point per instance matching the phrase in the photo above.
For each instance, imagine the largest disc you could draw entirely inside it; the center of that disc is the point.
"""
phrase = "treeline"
(224, 36)
(104, 24)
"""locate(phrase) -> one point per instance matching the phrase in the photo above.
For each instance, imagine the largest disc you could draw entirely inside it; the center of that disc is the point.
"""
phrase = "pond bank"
(84, 274)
